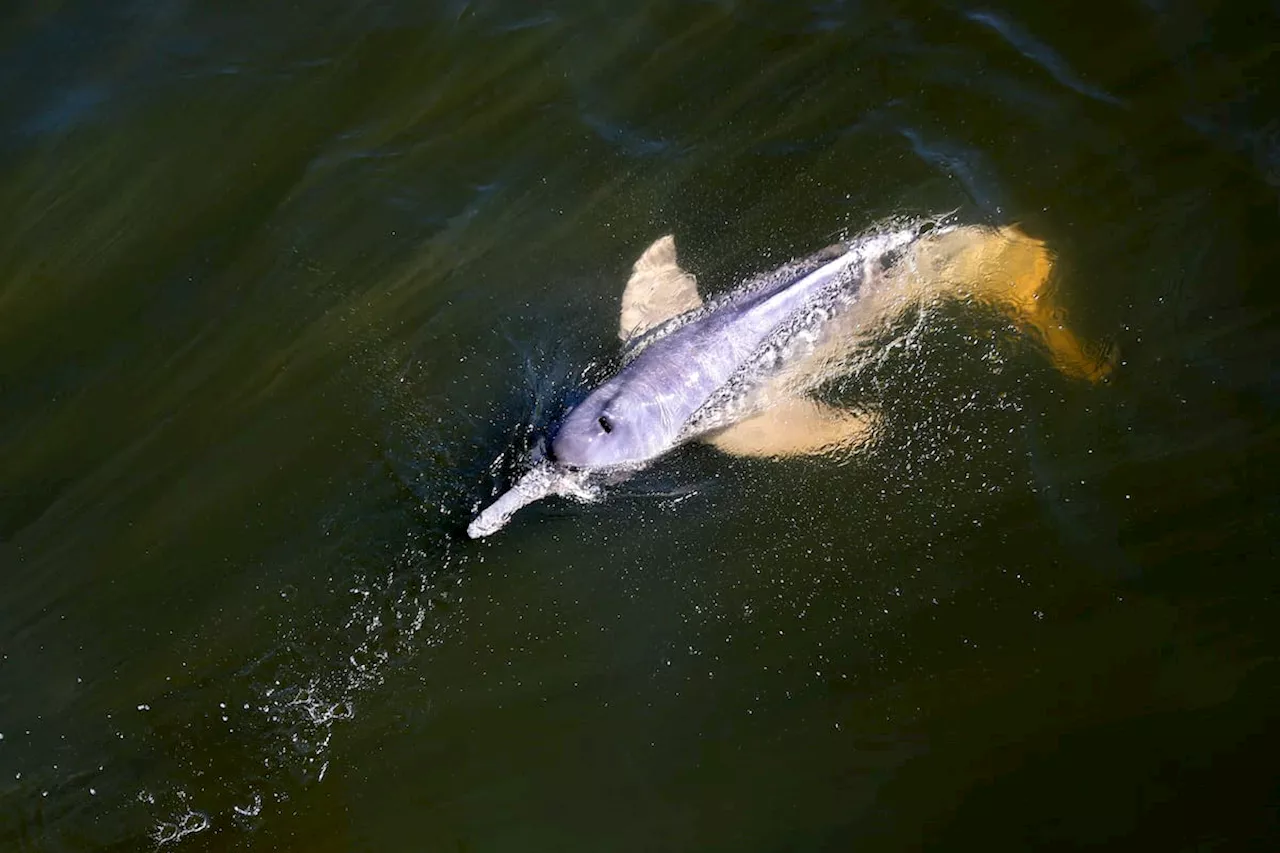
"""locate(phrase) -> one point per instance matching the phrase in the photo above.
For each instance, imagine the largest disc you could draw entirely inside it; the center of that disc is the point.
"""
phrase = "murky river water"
(278, 282)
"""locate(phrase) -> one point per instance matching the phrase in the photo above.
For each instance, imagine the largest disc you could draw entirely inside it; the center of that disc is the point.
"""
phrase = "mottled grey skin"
(698, 373)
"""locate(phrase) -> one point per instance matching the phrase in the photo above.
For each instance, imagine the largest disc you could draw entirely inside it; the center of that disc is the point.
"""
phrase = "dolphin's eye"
(605, 424)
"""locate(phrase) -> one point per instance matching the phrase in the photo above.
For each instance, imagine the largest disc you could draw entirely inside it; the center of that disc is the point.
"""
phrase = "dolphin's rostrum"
(737, 370)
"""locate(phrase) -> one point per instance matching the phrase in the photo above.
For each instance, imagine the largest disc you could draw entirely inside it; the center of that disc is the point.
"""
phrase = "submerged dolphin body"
(737, 371)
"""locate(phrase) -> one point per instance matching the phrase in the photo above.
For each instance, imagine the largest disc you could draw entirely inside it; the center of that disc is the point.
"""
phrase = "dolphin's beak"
(542, 480)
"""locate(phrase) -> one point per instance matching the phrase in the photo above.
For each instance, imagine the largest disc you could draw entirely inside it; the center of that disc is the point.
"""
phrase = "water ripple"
(1041, 54)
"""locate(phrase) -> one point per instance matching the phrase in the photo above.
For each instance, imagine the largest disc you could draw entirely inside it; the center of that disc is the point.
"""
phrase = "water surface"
(279, 282)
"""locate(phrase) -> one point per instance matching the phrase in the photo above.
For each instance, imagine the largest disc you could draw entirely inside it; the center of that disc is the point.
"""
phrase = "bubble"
(190, 823)
(251, 810)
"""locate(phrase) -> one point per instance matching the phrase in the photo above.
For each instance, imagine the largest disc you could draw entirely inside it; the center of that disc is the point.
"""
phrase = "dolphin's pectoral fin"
(657, 290)
(798, 426)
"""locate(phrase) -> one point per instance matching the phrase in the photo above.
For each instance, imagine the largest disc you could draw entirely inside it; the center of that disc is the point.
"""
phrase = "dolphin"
(738, 371)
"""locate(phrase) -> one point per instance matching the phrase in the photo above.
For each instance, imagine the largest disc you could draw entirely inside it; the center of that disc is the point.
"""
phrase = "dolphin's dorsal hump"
(657, 290)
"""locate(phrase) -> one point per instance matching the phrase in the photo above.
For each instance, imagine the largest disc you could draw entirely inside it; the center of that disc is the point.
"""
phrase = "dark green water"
(278, 282)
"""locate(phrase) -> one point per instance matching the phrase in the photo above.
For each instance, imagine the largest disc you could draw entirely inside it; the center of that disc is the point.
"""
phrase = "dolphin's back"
(703, 369)
(746, 295)
(795, 317)
(676, 373)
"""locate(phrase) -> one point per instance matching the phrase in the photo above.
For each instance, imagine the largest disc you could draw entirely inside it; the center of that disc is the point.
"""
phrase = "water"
(278, 283)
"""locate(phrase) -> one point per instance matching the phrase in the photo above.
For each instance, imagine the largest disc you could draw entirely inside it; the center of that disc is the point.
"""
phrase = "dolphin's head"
(602, 440)
(606, 430)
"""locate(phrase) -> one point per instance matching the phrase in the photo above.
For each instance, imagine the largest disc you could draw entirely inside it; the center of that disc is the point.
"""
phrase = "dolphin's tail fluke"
(1006, 267)
(1034, 305)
